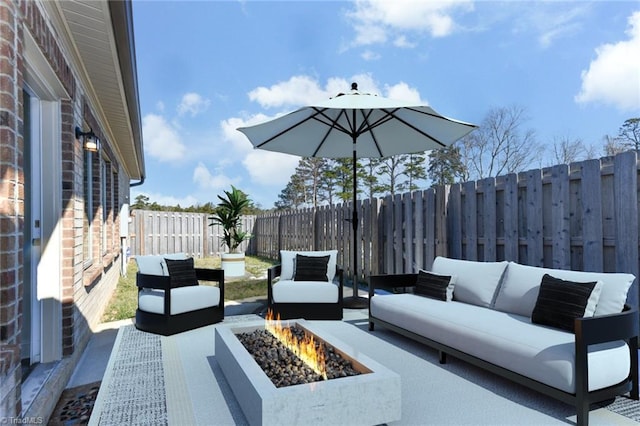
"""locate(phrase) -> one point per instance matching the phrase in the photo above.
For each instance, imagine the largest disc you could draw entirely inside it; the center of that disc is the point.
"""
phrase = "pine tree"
(445, 165)
(415, 171)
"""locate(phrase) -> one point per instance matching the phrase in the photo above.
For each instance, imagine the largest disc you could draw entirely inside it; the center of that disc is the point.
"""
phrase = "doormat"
(75, 405)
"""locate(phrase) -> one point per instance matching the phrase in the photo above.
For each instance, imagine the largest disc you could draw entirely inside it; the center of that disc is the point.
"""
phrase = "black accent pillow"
(182, 272)
(311, 268)
(560, 302)
(432, 285)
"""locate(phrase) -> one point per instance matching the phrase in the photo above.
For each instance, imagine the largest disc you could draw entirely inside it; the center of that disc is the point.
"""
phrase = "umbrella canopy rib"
(334, 125)
(283, 131)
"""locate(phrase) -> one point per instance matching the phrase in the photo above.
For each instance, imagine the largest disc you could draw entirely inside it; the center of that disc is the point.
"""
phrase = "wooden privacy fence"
(582, 216)
(157, 232)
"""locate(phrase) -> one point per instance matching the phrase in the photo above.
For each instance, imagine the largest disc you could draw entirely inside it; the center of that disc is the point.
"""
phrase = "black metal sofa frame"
(588, 331)
(311, 311)
(167, 324)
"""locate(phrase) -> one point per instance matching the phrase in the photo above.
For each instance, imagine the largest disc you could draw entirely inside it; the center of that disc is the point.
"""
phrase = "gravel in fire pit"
(283, 367)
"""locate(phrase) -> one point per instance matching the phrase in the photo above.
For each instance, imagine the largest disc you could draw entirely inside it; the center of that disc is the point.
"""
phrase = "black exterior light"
(90, 141)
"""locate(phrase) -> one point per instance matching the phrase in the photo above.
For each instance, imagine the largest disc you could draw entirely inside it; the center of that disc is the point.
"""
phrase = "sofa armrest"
(391, 281)
(601, 329)
(607, 328)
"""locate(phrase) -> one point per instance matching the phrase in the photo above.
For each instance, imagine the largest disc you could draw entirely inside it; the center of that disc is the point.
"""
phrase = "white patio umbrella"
(357, 125)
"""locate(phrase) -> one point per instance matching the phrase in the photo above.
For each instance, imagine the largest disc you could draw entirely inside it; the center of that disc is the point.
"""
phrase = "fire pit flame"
(307, 349)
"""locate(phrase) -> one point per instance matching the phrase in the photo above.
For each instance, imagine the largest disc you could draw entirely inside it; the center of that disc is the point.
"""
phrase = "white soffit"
(92, 35)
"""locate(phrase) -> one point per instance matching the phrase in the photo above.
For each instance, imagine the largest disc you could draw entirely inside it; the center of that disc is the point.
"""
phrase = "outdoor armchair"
(306, 284)
(170, 297)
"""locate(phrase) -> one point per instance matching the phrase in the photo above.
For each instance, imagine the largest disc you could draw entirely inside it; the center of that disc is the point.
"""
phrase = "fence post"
(442, 200)
(625, 191)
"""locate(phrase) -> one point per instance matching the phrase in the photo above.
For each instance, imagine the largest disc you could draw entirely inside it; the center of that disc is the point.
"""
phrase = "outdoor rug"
(177, 380)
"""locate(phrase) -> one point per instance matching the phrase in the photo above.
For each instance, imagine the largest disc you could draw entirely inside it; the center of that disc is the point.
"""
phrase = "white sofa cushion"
(183, 299)
(155, 264)
(288, 258)
(476, 282)
(542, 353)
(519, 290)
(289, 291)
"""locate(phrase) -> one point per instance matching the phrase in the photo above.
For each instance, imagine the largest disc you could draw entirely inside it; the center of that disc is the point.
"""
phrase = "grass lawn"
(124, 301)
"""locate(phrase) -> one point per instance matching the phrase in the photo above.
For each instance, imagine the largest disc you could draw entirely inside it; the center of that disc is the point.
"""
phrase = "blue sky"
(208, 67)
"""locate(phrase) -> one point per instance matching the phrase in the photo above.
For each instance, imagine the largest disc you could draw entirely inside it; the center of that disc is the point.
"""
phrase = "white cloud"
(369, 55)
(374, 21)
(402, 41)
(549, 20)
(613, 76)
(270, 168)
(193, 103)
(161, 140)
(298, 90)
(166, 200)
(208, 181)
(402, 92)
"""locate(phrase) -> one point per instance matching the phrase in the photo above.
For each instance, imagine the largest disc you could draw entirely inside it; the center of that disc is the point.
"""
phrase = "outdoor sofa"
(520, 322)
(170, 297)
(306, 284)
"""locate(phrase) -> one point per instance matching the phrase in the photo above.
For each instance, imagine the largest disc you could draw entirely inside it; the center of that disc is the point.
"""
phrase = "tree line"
(500, 145)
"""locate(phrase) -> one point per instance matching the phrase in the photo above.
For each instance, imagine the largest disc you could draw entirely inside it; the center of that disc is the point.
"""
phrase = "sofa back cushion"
(155, 265)
(288, 259)
(476, 282)
(519, 290)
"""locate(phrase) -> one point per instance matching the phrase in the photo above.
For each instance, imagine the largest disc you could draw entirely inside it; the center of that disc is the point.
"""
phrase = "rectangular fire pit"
(370, 398)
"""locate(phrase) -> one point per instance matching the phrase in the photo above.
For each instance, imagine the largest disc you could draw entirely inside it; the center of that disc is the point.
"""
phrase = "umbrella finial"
(354, 86)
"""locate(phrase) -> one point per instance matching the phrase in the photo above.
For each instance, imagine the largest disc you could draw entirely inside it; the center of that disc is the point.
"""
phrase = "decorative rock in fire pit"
(280, 401)
(284, 368)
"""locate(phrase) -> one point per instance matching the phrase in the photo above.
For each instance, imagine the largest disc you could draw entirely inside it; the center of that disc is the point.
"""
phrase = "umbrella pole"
(355, 301)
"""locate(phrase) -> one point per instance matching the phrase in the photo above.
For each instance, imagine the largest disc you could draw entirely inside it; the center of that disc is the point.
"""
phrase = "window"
(89, 210)
(104, 189)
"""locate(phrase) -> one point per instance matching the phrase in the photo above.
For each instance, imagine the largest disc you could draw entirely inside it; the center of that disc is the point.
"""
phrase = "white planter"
(233, 264)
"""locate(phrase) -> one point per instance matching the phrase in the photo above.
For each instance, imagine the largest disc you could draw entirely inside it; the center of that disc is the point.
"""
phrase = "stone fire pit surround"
(368, 399)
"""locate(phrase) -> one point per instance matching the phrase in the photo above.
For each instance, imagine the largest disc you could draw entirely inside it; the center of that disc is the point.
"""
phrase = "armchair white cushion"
(183, 299)
(289, 291)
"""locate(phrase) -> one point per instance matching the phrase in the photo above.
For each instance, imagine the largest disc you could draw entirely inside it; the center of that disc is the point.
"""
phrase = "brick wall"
(85, 292)
(11, 207)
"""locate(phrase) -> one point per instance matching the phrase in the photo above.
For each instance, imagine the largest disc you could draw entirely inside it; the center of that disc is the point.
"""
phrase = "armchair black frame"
(306, 310)
(167, 324)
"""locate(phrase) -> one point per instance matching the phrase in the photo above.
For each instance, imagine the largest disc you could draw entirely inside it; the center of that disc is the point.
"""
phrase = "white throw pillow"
(288, 258)
(476, 282)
